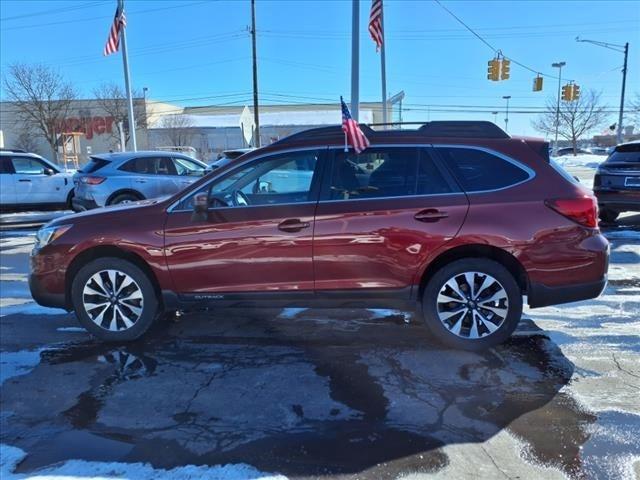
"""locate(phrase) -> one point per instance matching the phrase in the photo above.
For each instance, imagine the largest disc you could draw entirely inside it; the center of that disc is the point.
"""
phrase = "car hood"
(95, 214)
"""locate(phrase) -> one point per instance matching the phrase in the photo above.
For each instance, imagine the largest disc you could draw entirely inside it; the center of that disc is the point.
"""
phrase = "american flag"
(119, 22)
(375, 23)
(352, 130)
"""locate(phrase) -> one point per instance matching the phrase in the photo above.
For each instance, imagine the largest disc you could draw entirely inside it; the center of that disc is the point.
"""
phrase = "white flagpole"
(383, 65)
(355, 59)
(127, 84)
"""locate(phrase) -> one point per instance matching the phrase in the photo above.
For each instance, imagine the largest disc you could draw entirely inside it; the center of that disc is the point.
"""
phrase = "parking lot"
(323, 394)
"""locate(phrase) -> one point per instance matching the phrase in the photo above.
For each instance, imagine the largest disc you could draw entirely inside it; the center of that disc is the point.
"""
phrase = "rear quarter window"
(479, 170)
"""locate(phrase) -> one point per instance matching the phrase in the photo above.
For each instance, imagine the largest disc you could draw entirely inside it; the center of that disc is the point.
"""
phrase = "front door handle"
(292, 225)
(141, 181)
(24, 180)
(430, 215)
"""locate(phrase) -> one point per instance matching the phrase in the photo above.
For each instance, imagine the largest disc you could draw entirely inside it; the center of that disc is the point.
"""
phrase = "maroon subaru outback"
(456, 219)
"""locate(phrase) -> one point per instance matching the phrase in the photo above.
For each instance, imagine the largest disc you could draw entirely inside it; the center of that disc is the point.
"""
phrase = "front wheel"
(114, 300)
(472, 304)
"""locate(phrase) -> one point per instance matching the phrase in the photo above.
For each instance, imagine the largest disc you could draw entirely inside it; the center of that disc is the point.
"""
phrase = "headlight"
(46, 235)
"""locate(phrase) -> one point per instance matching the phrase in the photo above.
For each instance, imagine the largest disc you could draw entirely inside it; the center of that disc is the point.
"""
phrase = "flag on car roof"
(375, 23)
(353, 134)
(119, 22)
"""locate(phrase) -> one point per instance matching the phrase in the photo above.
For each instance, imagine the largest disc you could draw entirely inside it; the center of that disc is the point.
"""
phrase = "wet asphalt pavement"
(330, 393)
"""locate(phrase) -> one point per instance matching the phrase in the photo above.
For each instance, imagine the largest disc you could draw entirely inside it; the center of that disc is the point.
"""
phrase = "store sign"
(89, 126)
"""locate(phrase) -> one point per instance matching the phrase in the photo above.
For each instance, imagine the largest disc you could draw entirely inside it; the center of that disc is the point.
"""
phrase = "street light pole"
(355, 59)
(621, 49)
(495, 117)
(506, 118)
(559, 66)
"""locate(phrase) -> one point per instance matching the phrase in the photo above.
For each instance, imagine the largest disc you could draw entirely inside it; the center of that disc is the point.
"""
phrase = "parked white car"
(30, 182)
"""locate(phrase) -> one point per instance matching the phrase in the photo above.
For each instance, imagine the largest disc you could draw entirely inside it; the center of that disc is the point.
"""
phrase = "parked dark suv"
(617, 182)
(456, 219)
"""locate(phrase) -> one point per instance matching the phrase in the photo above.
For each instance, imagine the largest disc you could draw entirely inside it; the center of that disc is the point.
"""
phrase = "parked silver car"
(112, 178)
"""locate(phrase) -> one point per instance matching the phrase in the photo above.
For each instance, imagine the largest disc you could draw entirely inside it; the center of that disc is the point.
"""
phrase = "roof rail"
(13, 150)
(440, 128)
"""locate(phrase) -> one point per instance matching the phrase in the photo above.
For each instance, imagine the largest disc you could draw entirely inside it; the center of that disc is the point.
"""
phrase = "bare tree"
(41, 97)
(177, 129)
(632, 116)
(113, 100)
(27, 141)
(577, 118)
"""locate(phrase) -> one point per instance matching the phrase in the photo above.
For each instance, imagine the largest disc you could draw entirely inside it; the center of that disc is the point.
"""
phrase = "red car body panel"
(366, 245)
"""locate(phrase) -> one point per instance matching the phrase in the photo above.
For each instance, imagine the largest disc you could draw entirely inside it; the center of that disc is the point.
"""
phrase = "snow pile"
(10, 457)
(582, 161)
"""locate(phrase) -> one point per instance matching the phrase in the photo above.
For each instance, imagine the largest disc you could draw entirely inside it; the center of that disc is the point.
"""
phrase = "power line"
(52, 11)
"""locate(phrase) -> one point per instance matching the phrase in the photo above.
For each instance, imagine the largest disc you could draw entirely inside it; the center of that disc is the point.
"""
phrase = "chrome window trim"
(530, 172)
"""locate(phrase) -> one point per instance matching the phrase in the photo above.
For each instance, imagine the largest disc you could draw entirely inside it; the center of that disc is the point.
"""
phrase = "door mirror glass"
(48, 171)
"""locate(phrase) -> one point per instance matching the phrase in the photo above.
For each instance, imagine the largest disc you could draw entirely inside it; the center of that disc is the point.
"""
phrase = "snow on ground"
(580, 161)
(13, 364)
(10, 457)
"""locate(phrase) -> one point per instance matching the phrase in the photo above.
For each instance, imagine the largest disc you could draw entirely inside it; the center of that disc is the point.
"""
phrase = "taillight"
(582, 210)
(92, 180)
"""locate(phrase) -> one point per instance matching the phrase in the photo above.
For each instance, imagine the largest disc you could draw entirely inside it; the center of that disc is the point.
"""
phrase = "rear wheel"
(114, 300)
(608, 215)
(472, 304)
(124, 198)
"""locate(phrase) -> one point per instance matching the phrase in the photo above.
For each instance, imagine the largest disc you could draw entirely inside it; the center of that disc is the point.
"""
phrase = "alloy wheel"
(472, 305)
(113, 300)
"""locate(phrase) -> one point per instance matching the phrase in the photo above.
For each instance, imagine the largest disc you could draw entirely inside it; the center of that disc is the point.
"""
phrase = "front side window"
(478, 170)
(278, 179)
(187, 167)
(28, 166)
(383, 173)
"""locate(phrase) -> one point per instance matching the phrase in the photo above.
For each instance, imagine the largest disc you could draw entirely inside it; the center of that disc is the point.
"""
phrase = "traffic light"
(575, 92)
(537, 84)
(493, 72)
(505, 70)
(567, 92)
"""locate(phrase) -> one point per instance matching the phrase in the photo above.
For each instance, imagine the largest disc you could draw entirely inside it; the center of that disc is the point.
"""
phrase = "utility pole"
(621, 49)
(355, 59)
(256, 115)
(506, 118)
(559, 66)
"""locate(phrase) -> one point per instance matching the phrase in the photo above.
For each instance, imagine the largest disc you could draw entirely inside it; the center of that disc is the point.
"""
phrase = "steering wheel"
(240, 199)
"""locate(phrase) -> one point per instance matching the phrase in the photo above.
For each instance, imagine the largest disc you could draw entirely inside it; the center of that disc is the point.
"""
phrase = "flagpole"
(127, 84)
(383, 66)
(355, 59)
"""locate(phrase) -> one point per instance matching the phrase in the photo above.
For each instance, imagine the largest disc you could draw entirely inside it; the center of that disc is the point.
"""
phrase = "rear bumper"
(44, 297)
(82, 204)
(541, 295)
(623, 200)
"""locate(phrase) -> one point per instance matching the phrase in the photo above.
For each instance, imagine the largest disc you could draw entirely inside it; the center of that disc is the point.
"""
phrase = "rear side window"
(478, 170)
(150, 166)
(93, 165)
(5, 165)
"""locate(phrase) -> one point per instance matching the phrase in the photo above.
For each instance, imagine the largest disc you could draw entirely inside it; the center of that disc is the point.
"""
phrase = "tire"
(479, 328)
(70, 201)
(608, 215)
(138, 304)
(124, 198)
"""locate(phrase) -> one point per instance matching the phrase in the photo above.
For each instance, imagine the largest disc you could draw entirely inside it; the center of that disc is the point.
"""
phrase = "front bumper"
(82, 204)
(44, 297)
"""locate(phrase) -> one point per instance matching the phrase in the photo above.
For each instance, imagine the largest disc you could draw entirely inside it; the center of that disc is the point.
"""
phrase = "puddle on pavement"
(383, 399)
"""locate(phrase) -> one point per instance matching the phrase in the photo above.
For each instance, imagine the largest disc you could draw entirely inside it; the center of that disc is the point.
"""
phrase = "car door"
(244, 235)
(186, 172)
(381, 215)
(142, 176)
(36, 182)
(7, 179)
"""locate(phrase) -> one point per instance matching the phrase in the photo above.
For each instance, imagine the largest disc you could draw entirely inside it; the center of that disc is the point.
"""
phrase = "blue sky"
(199, 52)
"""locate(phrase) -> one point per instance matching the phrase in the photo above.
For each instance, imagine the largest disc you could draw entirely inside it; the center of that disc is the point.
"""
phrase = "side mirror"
(49, 171)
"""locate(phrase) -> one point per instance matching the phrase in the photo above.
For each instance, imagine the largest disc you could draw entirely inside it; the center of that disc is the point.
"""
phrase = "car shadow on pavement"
(308, 394)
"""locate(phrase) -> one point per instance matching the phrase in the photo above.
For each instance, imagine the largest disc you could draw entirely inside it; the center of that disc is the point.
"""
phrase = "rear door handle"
(141, 181)
(430, 215)
(292, 225)
(24, 180)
